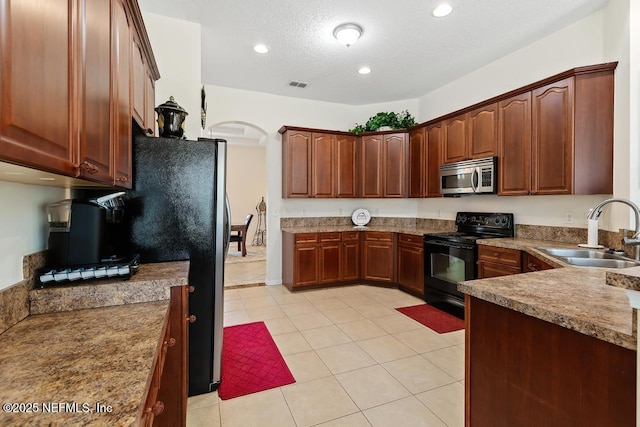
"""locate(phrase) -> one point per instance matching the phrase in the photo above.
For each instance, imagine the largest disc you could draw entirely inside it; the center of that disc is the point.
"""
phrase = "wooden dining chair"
(241, 236)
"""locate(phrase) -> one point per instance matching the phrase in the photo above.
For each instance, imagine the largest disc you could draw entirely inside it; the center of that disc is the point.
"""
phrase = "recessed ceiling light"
(14, 173)
(442, 10)
(260, 48)
(47, 179)
(364, 70)
(347, 34)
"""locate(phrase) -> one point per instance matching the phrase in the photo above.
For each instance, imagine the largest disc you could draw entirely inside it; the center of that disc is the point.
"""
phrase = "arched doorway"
(246, 187)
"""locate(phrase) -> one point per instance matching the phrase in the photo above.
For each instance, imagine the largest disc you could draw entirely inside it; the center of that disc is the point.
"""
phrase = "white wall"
(23, 225)
(246, 182)
(176, 47)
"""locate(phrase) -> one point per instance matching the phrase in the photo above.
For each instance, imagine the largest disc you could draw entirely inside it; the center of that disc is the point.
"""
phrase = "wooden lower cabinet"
(531, 263)
(377, 257)
(410, 264)
(522, 371)
(320, 259)
(165, 403)
(494, 261)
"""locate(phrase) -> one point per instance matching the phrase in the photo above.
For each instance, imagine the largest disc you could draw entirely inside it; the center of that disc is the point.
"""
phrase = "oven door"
(447, 264)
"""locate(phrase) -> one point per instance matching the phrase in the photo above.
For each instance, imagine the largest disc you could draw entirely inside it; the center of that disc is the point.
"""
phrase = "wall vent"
(298, 84)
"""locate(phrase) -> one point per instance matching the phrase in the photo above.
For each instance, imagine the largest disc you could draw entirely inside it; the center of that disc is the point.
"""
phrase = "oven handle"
(447, 244)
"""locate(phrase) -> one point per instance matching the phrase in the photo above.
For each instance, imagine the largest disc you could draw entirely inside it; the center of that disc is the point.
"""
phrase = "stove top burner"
(472, 226)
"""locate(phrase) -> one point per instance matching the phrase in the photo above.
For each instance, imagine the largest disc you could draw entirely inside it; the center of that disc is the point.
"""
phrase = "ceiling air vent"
(298, 84)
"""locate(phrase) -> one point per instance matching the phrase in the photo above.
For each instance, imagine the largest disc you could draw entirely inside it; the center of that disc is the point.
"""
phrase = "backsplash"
(14, 300)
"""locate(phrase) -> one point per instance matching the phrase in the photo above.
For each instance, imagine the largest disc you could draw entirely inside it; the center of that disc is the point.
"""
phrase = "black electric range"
(451, 257)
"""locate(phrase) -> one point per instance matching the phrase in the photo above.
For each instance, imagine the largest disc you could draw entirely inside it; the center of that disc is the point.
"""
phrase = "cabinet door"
(96, 151)
(305, 259)
(417, 163)
(394, 165)
(455, 139)
(322, 166)
(149, 105)
(434, 160)
(350, 256)
(411, 269)
(377, 257)
(296, 164)
(36, 101)
(483, 131)
(371, 166)
(122, 97)
(514, 145)
(552, 138)
(489, 269)
(345, 166)
(531, 263)
(329, 257)
(138, 76)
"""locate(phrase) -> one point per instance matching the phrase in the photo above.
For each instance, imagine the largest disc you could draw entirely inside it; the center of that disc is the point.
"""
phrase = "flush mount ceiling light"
(347, 34)
(260, 48)
(364, 70)
(442, 10)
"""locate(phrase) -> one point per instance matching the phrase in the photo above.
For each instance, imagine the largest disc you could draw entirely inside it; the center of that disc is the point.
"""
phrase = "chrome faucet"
(633, 241)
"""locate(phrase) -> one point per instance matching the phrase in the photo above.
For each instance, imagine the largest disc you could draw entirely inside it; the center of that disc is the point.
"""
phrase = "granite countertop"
(385, 228)
(583, 299)
(152, 282)
(84, 357)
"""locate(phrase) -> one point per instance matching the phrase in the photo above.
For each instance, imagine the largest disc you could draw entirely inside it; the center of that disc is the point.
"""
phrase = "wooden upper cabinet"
(433, 159)
(482, 124)
(96, 155)
(345, 166)
(371, 166)
(296, 164)
(394, 161)
(122, 95)
(37, 101)
(149, 105)
(552, 138)
(417, 163)
(514, 145)
(323, 147)
(455, 139)
(138, 77)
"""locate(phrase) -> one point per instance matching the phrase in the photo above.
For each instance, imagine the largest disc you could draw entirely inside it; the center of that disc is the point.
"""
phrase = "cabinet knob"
(149, 131)
(122, 179)
(192, 318)
(191, 289)
(171, 342)
(532, 267)
(157, 408)
(89, 168)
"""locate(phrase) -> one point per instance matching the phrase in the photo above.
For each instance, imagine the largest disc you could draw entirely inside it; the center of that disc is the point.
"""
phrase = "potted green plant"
(385, 121)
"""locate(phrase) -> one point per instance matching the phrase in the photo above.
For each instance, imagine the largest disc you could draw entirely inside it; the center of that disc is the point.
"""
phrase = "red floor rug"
(251, 361)
(433, 318)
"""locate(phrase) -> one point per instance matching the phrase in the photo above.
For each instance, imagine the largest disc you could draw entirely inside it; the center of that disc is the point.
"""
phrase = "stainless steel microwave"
(476, 176)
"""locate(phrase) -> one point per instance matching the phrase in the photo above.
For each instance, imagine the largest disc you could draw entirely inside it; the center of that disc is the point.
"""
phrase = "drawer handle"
(192, 318)
(122, 179)
(157, 408)
(89, 168)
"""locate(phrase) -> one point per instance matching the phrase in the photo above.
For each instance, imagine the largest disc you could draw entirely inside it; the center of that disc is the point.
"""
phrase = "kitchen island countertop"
(578, 298)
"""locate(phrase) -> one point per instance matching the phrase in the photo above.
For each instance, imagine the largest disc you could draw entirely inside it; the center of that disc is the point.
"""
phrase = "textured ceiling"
(409, 51)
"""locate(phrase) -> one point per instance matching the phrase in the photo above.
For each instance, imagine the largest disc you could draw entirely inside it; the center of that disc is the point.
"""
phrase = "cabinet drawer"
(306, 237)
(410, 239)
(378, 236)
(350, 235)
(330, 237)
(499, 255)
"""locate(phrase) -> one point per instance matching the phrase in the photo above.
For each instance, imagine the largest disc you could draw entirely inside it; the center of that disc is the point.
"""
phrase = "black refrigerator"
(178, 210)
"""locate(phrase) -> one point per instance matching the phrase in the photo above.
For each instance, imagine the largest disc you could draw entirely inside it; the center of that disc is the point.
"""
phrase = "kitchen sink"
(590, 258)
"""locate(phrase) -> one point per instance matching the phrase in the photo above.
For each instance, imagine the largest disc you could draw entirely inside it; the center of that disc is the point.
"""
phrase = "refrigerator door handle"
(227, 225)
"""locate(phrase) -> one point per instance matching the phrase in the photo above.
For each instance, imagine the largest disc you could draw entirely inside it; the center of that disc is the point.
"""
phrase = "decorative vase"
(171, 119)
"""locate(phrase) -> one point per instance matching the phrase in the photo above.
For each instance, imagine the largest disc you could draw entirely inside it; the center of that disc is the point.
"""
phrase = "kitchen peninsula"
(111, 352)
(554, 347)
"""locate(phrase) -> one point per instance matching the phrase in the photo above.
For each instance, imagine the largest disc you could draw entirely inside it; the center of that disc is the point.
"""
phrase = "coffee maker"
(83, 232)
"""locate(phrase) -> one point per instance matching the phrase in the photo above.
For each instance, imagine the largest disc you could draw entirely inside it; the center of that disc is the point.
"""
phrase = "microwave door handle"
(474, 180)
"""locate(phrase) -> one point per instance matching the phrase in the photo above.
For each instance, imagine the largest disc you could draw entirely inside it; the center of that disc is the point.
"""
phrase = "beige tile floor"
(248, 270)
(356, 361)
